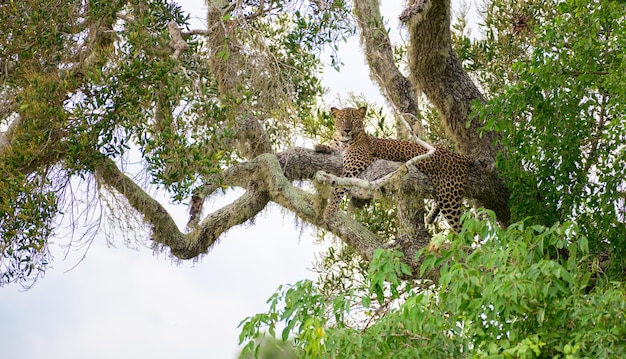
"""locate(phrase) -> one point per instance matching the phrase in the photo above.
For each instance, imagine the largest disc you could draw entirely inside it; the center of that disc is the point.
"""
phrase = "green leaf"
(366, 301)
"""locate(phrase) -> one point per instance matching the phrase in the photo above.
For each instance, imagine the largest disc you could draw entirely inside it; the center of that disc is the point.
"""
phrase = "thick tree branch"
(398, 90)
(437, 71)
(164, 229)
(213, 226)
(264, 180)
(482, 186)
(377, 184)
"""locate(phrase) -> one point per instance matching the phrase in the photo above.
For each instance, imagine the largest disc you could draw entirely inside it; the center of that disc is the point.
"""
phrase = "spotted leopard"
(446, 170)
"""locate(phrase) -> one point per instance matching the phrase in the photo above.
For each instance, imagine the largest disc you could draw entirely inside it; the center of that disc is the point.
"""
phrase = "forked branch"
(264, 181)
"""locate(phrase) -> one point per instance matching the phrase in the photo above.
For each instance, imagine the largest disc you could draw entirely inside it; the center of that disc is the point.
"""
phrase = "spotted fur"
(446, 170)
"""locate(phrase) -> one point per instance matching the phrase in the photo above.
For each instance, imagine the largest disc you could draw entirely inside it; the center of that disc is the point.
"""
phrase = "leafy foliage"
(499, 295)
(562, 115)
(81, 86)
(27, 210)
(272, 348)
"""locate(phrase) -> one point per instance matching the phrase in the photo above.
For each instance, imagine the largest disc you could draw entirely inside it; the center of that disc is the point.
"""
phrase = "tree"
(88, 84)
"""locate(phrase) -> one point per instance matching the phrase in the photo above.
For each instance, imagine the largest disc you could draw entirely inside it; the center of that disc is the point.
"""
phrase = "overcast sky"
(124, 303)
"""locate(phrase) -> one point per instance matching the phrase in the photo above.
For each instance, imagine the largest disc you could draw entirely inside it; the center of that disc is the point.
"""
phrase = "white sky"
(124, 303)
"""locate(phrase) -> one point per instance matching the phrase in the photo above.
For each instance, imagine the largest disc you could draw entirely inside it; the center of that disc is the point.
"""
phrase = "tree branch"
(213, 226)
(164, 229)
(483, 185)
(267, 178)
(437, 71)
(177, 42)
(264, 180)
(377, 184)
(399, 92)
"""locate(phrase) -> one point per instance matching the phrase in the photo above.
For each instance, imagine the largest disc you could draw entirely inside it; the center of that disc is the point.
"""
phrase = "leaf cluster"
(27, 211)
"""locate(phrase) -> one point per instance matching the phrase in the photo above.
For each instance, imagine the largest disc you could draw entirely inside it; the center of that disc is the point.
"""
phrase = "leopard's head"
(348, 122)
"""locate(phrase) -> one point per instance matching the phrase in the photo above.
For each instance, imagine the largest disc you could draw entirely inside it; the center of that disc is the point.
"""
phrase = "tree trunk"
(437, 71)
(400, 93)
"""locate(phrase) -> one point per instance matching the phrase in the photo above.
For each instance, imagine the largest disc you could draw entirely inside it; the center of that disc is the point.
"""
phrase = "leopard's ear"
(361, 111)
(335, 111)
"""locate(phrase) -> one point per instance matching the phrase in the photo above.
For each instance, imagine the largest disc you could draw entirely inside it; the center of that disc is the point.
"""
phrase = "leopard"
(447, 170)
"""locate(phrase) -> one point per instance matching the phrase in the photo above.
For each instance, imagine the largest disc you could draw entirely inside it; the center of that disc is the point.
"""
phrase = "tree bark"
(264, 180)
